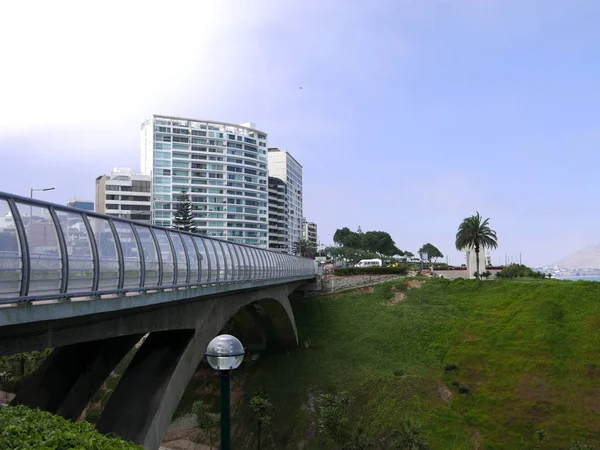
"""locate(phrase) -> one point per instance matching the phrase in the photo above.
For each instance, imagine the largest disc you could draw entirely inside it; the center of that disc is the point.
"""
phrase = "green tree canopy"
(432, 251)
(303, 247)
(184, 219)
(347, 238)
(474, 232)
(377, 242)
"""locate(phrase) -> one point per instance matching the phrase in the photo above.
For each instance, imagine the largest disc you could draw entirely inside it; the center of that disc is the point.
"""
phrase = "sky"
(407, 115)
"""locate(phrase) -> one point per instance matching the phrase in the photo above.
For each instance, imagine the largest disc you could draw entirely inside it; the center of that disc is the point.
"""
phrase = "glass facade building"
(221, 166)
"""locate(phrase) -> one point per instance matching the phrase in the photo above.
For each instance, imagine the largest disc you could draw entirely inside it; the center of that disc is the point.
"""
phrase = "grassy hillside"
(527, 355)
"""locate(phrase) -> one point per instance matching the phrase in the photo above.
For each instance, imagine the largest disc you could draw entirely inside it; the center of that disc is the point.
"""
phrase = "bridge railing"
(53, 251)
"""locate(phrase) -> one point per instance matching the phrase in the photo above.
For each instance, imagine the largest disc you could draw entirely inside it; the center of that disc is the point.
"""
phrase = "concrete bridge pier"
(72, 374)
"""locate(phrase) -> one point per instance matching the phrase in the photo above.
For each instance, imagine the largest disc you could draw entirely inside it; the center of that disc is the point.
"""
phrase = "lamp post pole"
(225, 353)
(225, 409)
(31, 191)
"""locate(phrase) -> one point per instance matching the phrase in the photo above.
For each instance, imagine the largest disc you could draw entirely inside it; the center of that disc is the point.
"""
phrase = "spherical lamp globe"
(225, 352)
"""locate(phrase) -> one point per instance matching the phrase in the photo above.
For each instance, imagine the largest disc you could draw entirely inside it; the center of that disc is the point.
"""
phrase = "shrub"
(455, 383)
(464, 389)
(409, 436)
(581, 446)
(25, 428)
(450, 367)
(401, 270)
(399, 373)
(519, 270)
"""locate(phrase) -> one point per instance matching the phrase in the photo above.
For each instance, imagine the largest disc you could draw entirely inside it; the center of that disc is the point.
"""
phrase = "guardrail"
(53, 251)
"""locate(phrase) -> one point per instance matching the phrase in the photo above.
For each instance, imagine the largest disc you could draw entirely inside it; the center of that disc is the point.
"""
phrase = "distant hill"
(586, 257)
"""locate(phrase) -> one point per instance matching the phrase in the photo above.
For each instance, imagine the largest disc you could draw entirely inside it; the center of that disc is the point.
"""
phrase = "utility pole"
(519, 257)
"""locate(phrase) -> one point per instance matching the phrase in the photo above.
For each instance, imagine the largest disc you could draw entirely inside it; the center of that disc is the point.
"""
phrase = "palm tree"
(303, 247)
(476, 233)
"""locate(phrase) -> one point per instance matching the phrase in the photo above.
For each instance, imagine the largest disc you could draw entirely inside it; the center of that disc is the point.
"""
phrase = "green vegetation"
(303, 247)
(432, 251)
(14, 368)
(453, 365)
(374, 270)
(23, 428)
(183, 219)
(474, 232)
(519, 271)
(206, 420)
(371, 242)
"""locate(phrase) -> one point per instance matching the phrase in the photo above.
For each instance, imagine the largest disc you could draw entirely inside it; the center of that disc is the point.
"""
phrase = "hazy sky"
(412, 114)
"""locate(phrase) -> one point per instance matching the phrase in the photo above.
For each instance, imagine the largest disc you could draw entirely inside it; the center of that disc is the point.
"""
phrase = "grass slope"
(528, 350)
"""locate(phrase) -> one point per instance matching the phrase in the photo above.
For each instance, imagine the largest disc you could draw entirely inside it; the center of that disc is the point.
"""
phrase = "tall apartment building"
(282, 165)
(309, 232)
(223, 168)
(278, 213)
(124, 194)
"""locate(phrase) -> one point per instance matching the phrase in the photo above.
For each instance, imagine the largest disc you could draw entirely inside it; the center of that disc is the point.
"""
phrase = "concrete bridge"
(91, 286)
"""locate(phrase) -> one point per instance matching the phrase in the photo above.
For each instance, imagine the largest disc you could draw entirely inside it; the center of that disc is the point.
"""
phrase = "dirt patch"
(415, 284)
(476, 438)
(534, 388)
(444, 393)
(399, 294)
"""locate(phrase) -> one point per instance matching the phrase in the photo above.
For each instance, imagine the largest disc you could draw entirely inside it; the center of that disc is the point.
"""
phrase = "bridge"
(92, 287)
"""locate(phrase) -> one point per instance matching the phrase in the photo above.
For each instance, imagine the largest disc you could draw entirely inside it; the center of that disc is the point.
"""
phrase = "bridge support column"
(71, 375)
(142, 405)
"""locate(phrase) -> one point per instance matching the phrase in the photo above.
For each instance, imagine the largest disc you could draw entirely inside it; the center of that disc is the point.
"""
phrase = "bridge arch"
(142, 405)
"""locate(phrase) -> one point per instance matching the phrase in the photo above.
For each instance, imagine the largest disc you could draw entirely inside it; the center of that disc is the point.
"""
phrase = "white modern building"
(282, 165)
(124, 194)
(221, 166)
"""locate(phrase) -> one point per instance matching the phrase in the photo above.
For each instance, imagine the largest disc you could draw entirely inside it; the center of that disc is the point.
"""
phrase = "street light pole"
(31, 191)
(225, 353)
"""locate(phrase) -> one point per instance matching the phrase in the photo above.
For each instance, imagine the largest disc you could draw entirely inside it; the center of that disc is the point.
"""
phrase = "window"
(181, 164)
(198, 133)
(112, 187)
(165, 155)
(111, 206)
(181, 139)
(180, 131)
(180, 147)
(181, 155)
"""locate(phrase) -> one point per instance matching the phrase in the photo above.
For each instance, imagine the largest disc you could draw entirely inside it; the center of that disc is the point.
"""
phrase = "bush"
(464, 389)
(450, 367)
(519, 270)
(401, 270)
(25, 428)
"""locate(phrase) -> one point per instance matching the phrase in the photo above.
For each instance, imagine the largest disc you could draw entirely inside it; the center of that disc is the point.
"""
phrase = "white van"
(369, 263)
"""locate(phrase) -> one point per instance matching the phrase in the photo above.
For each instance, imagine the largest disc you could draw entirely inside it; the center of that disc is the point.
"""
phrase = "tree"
(475, 233)
(333, 421)
(379, 242)
(206, 420)
(432, 251)
(263, 411)
(347, 238)
(184, 219)
(303, 247)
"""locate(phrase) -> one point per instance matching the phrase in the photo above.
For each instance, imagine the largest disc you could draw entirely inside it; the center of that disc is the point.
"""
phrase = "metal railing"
(53, 251)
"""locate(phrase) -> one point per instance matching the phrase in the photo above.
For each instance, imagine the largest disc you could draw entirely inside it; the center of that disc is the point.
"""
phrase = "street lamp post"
(31, 191)
(424, 257)
(225, 353)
